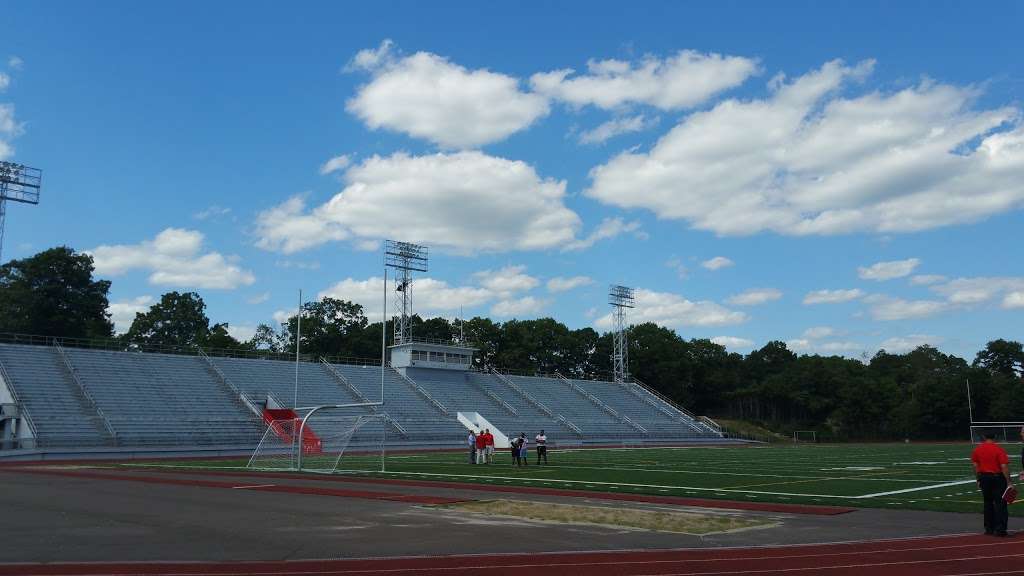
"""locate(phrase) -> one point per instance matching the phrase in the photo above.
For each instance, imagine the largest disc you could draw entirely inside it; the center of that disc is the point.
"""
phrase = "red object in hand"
(1010, 494)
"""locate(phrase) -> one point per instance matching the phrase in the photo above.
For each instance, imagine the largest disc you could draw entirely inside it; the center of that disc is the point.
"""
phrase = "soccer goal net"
(805, 437)
(329, 441)
(1003, 431)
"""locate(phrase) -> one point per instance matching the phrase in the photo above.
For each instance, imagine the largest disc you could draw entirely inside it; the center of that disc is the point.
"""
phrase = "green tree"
(177, 320)
(54, 294)
(1004, 357)
(330, 327)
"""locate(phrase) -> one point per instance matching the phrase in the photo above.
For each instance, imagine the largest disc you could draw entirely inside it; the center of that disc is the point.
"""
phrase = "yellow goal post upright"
(330, 438)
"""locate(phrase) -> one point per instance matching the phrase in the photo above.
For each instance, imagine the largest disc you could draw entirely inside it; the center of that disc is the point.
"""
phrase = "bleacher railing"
(242, 397)
(422, 392)
(686, 415)
(73, 372)
(601, 404)
(501, 401)
(22, 411)
(526, 395)
(119, 345)
(362, 397)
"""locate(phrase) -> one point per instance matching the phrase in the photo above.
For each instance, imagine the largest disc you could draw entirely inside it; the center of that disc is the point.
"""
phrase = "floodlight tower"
(405, 258)
(18, 183)
(621, 298)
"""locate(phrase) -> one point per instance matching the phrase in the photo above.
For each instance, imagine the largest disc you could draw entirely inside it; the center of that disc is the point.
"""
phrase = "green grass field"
(910, 476)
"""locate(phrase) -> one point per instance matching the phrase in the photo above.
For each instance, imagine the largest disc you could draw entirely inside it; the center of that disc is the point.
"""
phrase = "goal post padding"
(334, 440)
(1004, 431)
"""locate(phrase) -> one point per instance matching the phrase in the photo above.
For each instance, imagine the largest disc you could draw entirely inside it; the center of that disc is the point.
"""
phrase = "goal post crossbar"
(315, 409)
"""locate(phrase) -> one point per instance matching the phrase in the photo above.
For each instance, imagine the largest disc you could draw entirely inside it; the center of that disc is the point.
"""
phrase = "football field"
(911, 476)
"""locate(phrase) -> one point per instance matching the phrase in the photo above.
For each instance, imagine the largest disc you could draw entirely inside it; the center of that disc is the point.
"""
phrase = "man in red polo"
(992, 467)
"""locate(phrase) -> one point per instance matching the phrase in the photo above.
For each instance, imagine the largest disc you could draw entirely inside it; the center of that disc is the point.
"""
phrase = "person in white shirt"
(472, 447)
(542, 447)
(523, 451)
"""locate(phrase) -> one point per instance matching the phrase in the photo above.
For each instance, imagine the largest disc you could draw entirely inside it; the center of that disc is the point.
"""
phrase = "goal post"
(805, 437)
(327, 439)
(1004, 432)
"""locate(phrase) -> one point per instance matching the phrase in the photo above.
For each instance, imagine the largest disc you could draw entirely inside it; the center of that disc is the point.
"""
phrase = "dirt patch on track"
(682, 522)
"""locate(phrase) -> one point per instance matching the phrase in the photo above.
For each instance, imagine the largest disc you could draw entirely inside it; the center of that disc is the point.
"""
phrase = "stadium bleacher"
(83, 397)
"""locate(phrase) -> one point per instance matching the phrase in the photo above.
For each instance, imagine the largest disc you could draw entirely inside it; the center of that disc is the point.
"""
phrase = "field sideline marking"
(585, 482)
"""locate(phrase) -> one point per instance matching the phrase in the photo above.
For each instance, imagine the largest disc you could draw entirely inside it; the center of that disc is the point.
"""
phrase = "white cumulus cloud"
(122, 313)
(560, 284)
(174, 258)
(833, 296)
(902, 344)
(673, 311)
(519, 307)
(608, 228)
(1014, 300)
(426, 96)
(926, 279)
(755, 296)
(336, 164)
(888, 270)
(717, 263)
(884, 307)
(464, 202)
(430, 297)
(616, 127)
(807, 159)
(683, 80)
(507, 280)
(978, 290)
(733, 342)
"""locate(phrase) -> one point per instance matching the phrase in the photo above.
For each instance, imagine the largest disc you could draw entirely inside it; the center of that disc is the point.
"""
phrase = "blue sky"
(841, 176)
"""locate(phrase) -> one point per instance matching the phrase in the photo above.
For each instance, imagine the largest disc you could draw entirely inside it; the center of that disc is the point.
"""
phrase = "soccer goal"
(805, 437)
(1004, 431)
(325, 439)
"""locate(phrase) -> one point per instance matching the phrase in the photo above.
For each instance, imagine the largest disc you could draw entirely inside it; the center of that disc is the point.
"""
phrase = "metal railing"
(22, 410)
(661, 397)
(242, 397)
(501, 401)
(601, 404)
(423, 392)
(73, 372)
(570, 425)
(526, 395)
(119, 345)
(341, 378)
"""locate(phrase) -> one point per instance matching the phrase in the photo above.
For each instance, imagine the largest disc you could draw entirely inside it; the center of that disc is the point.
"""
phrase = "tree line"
(920, 394)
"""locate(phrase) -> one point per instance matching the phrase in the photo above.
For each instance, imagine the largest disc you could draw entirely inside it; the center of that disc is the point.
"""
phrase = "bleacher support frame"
(73, 372)
(600, 404)
(423, 392)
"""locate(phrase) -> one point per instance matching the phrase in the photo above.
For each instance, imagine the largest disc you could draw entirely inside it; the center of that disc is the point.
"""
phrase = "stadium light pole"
(621, 298)
(18, 183)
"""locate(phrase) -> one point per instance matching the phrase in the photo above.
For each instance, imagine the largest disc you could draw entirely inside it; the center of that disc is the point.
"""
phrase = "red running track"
(946, 555)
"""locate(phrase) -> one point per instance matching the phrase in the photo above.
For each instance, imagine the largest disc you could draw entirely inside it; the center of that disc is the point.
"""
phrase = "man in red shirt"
(481, 447)
(992, 467)
(489, 445)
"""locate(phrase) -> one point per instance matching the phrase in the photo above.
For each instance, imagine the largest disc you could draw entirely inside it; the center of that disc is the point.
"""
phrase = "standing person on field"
(992, 466)
(542, 447)
(524, 455)
(514, 449)
(472, 447)
(481, 447)
(489, 446)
